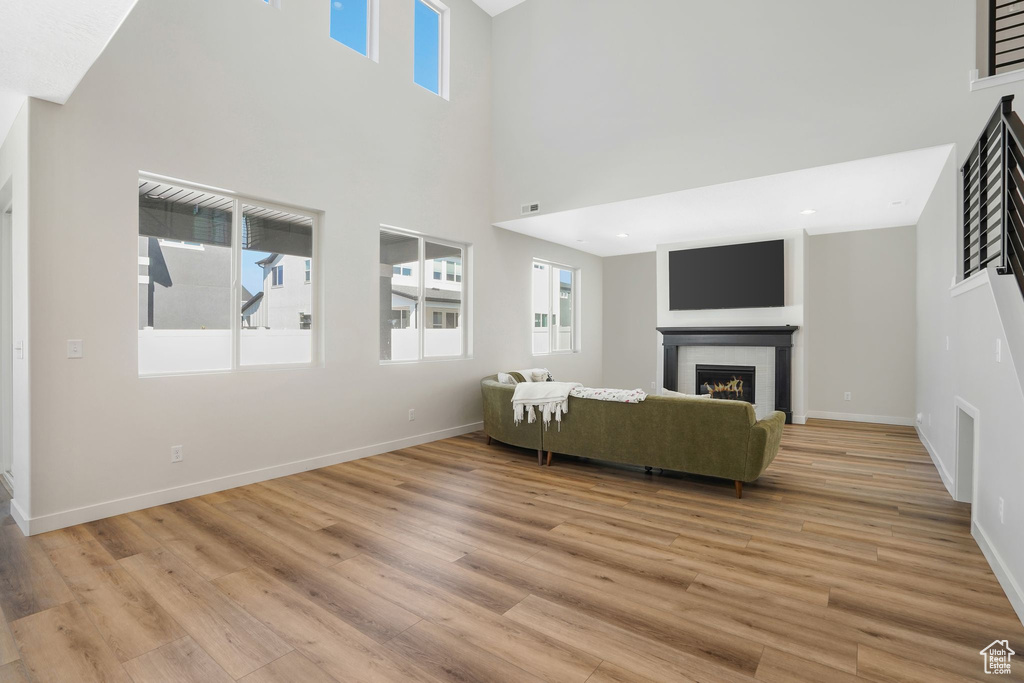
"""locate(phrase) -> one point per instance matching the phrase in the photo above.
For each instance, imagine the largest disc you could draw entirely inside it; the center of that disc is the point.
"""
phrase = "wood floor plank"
(121, 537)
(290, 668)
(8, 648)
(61, 644)
(329, 642)
(14, 672)
(493, 633)
(28, 581)
(620, 646)
(128, 618)
(235, 640)
(780, 667)
(447, 656)
(181, 661)
(459, 560)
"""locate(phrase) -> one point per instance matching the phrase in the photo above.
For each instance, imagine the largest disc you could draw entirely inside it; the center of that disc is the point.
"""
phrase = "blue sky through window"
(252, 275)
(427, 38)
(348, 23)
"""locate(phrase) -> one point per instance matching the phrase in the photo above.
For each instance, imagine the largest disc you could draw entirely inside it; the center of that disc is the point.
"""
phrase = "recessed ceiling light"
(581, 241)
(622, 234)
(807, 212)
(897, 202)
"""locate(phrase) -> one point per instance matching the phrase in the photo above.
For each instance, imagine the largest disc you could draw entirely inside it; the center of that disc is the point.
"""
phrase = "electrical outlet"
(412, 414)
(1002, 508)
(177, 453)
(74, 348)
(847, 396)
(999, 350)
(947, 343)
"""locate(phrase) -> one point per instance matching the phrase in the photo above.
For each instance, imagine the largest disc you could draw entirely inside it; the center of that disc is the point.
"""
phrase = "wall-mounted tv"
(749, 275)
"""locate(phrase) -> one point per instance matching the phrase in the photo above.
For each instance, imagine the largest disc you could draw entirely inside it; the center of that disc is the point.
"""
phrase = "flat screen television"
(749, 275)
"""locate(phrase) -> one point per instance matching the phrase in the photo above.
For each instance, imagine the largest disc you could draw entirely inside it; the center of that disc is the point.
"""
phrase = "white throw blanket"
(552, 398)
(616, 395)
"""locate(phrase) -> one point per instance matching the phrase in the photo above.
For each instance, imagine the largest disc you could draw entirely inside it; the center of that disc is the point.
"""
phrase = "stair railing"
(993, 208)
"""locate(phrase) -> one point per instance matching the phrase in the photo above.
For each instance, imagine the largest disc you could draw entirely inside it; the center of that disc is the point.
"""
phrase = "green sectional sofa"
(699, 436)
(498, 422)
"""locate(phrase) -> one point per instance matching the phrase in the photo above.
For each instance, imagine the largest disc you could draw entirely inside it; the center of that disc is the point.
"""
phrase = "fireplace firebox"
(732, 382)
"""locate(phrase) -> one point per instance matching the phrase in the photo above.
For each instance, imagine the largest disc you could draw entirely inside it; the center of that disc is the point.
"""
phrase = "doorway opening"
(966, 449)
(6, 348)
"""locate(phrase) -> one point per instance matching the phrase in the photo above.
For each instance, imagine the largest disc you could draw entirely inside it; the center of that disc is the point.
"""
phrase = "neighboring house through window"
(555, 296)
(191, 319)
(421, 317)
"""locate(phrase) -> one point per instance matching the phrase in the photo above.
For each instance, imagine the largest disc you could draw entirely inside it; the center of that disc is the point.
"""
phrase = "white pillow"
(505, 378)
(667, 392)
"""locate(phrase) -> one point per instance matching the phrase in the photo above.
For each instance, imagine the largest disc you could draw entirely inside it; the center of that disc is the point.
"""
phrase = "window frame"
(444, 28)
(372, 31)
(551, 315)
(465, 316)
(238, 200)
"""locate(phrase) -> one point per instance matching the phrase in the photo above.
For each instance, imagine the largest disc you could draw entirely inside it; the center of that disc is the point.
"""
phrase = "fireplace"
(779, 338)
(733, 382)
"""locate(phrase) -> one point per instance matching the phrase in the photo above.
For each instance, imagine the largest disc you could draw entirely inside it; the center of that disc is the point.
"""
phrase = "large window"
(422, 311)
(354, 24)
(555, 308)
(430, 61)
(222, 281)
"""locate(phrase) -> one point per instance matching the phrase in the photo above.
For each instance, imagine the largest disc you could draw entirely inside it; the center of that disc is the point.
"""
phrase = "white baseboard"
(799, 419)
(947, 479)
(89, 513)
(1006, 581)
(857, 417)
(19, 517)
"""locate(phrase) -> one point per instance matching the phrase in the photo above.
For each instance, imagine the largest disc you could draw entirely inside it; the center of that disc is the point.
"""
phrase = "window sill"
(997, 81)
(979, 279)
(232, 371)
(444, 359)
(556, 353)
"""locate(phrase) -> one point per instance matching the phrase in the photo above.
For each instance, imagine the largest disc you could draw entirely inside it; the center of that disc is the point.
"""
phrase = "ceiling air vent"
(530, 208)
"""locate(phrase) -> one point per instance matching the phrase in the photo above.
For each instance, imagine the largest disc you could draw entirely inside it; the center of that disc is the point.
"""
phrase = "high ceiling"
(47, 46)
(880, 192)
(496, 7)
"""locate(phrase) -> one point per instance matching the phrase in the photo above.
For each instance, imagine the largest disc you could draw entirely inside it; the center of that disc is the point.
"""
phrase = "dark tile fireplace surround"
(780, 338)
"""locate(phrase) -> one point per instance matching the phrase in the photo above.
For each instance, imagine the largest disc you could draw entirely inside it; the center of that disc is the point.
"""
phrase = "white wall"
(595, 102)
(965, 367)
(861, 311)
(790, 314)
(631, 342)
(14, 190)
(188, 89)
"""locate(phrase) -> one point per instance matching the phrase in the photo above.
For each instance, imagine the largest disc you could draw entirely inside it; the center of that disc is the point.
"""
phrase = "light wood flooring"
(461, 561)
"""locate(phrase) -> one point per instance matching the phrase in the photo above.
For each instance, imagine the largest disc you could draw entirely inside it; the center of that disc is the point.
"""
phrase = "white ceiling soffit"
(880, 192)
(496, 7)
(47, 46)
(10, 105)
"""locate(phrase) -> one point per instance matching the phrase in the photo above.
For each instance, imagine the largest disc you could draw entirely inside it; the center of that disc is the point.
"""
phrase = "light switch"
(74, 348)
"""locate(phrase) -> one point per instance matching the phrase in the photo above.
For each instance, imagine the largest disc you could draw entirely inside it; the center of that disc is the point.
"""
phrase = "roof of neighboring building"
(432, 294)
(246, 294)
(263, 262)
(252, 302)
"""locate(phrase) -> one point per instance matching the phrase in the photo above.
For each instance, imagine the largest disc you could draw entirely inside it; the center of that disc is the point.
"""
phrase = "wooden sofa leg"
(647, 470)
(540, 457)
(739, 488)
(488, 439)
(549, 458)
